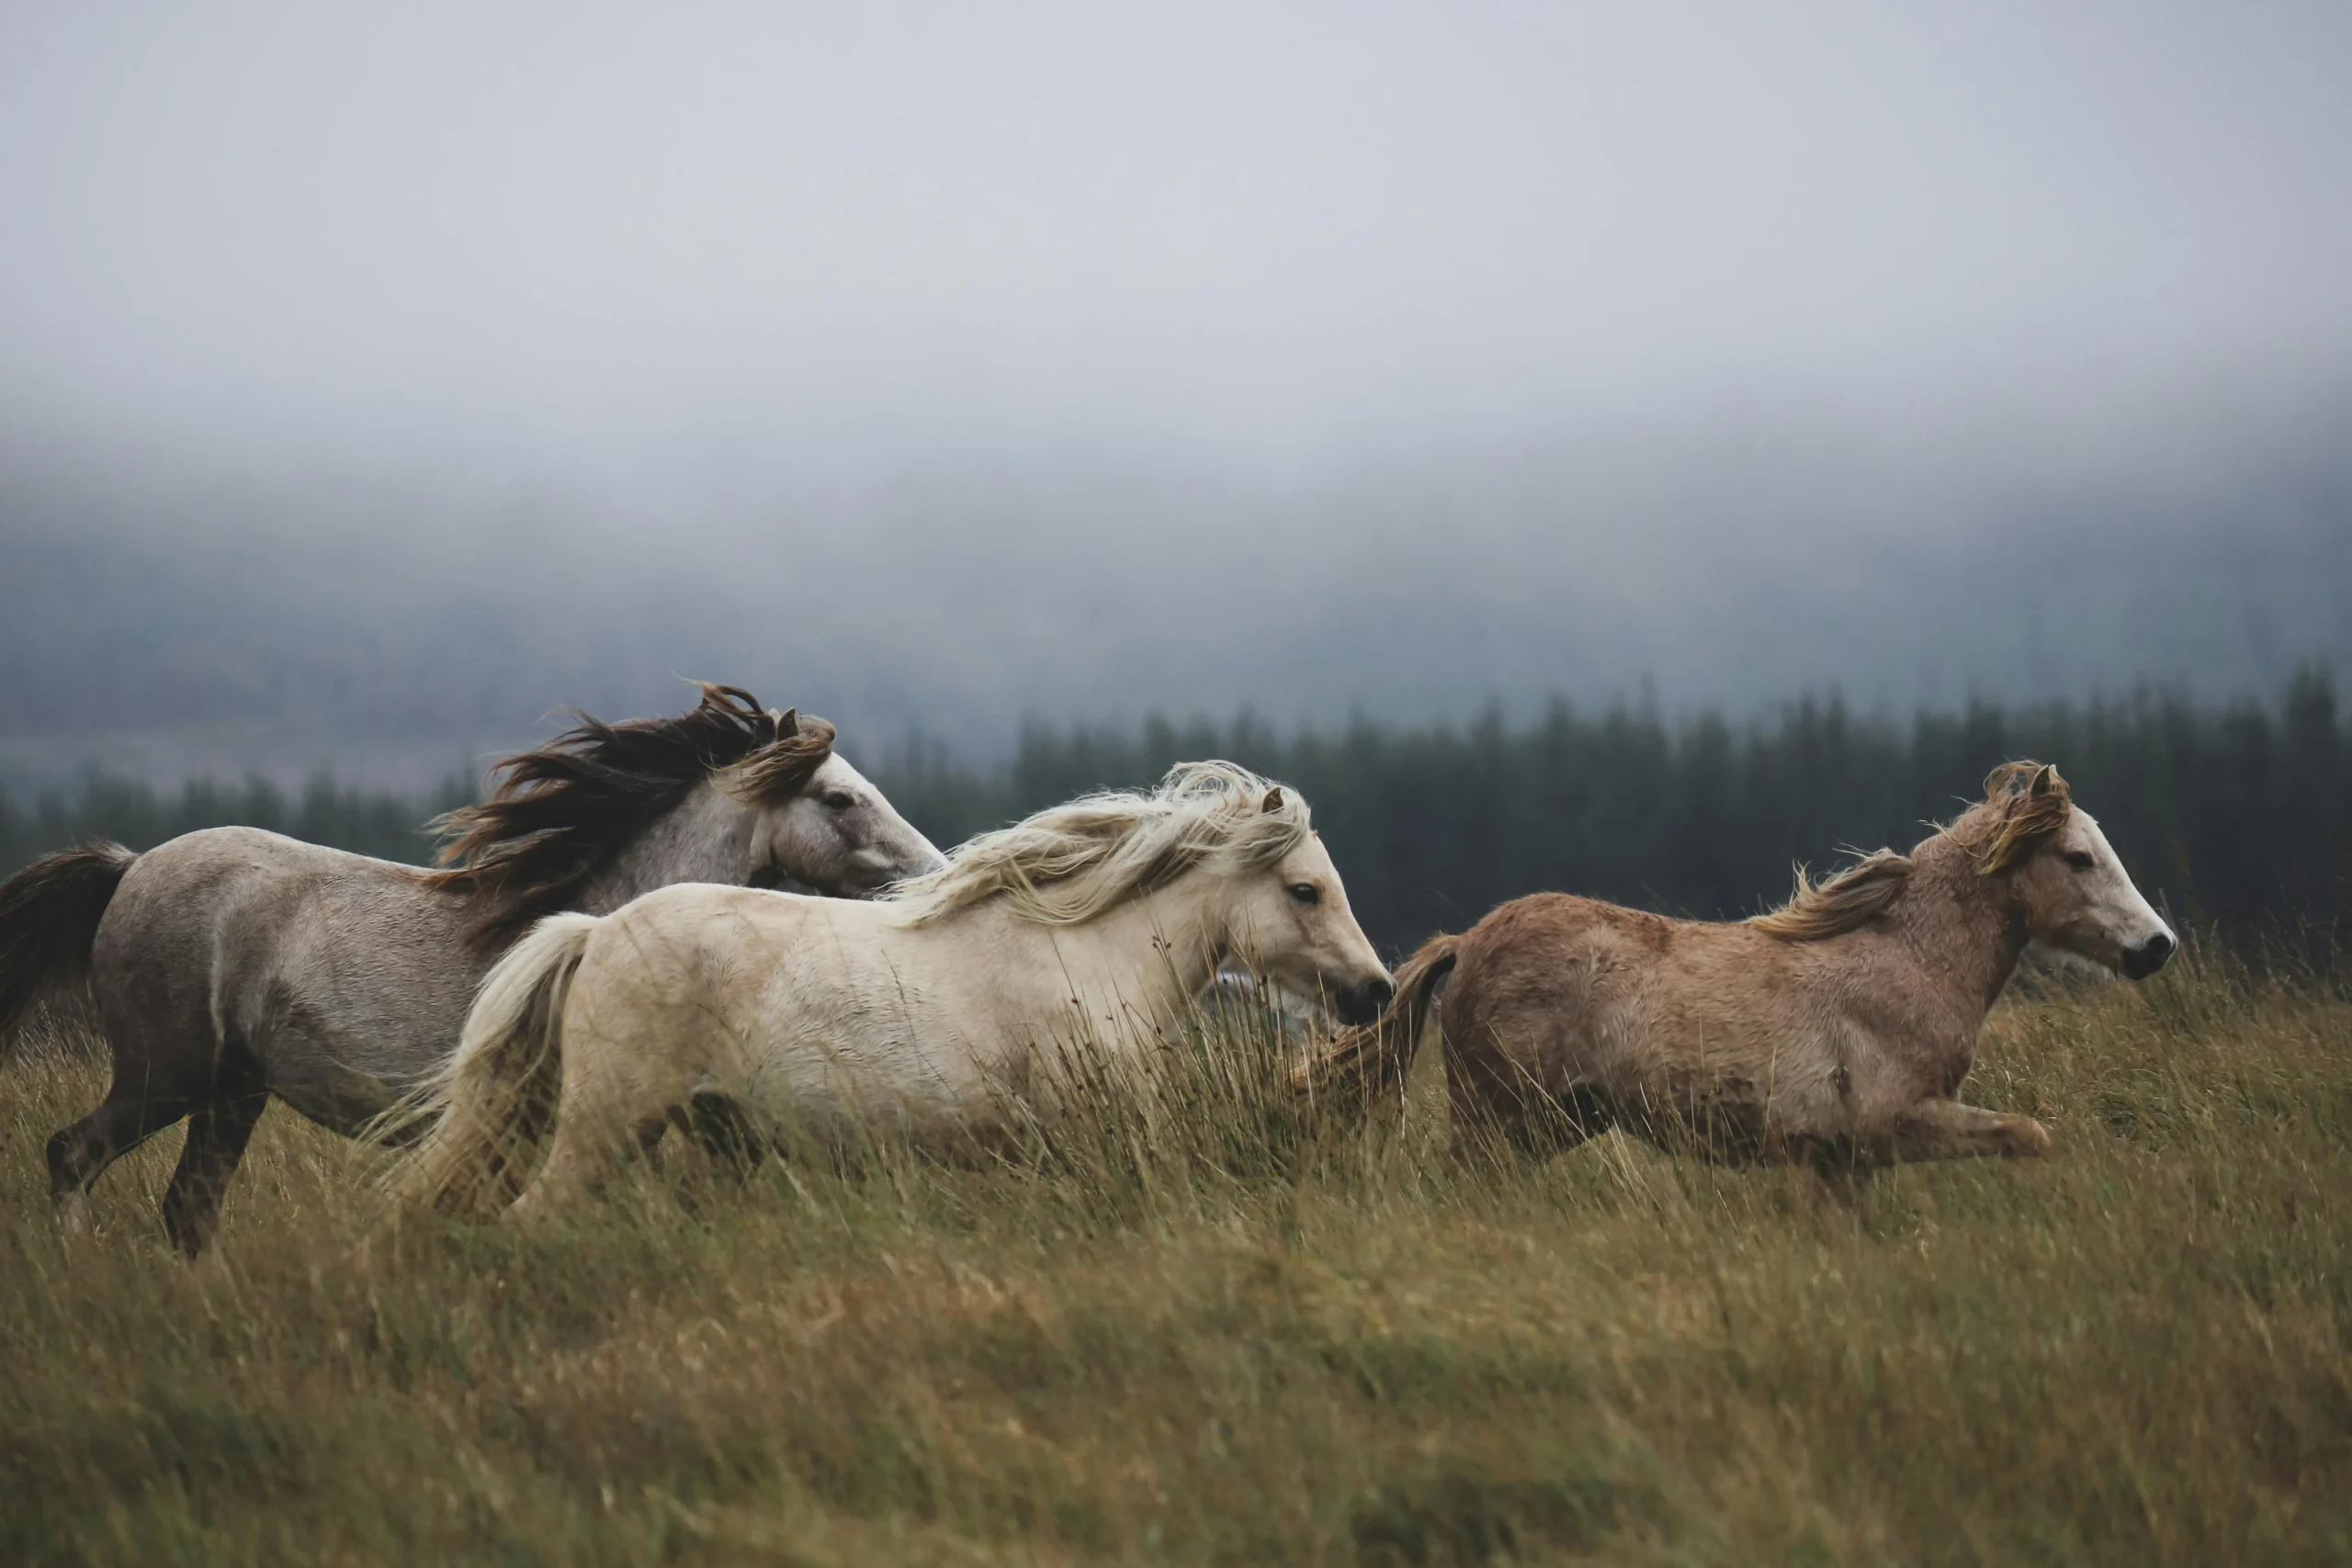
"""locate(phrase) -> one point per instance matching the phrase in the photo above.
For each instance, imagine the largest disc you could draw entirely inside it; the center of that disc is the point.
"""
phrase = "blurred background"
(1799, 407)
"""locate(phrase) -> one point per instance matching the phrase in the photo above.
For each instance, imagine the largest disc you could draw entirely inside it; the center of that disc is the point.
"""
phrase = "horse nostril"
(2144, 960)
(1377, 994)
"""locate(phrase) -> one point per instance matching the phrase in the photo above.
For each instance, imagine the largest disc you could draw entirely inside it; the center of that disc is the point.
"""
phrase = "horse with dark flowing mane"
(1841, 1025)
(233, 965)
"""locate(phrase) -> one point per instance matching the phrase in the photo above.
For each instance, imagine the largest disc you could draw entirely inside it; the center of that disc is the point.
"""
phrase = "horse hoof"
(73, 1213)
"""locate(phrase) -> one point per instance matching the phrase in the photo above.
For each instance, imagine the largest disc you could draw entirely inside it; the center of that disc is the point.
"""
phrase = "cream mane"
(2024, 803)
(1075, 863)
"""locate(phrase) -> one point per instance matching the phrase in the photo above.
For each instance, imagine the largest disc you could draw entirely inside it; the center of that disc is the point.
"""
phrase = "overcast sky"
(1581, 342)
(1260, 225)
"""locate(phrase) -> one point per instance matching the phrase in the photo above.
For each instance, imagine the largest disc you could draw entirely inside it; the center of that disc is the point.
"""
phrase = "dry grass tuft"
(1204, 1335)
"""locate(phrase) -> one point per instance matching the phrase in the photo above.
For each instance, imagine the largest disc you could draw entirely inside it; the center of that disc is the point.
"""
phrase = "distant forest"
(2237, 818)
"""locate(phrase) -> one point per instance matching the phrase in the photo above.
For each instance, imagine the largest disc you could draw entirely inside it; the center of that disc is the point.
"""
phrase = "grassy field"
(1210, 1339)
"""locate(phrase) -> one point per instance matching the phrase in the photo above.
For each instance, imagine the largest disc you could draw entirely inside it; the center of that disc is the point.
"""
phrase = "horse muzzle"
(1365, 1003)
(2151, 955)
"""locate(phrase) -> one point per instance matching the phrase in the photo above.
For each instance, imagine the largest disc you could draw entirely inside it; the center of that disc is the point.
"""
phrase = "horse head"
(2065, 877)
(1289, 922)
(821, 823)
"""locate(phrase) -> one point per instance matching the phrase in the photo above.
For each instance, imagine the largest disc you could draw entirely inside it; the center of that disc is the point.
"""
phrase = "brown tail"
(1370, 1062)
(49, 915)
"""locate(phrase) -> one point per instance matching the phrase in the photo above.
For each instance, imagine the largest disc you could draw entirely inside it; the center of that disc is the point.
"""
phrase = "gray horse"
(232, 965)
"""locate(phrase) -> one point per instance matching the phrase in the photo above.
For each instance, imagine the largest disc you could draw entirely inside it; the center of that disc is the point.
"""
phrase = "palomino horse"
(1083, 932)
(232, 965)
(1842, 1023)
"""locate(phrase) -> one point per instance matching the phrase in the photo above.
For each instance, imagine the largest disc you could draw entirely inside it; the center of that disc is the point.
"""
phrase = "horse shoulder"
(1899, 1016)
(1868, 1036)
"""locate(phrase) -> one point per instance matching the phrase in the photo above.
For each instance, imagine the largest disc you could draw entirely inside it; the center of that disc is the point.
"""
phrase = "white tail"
(491, 1101)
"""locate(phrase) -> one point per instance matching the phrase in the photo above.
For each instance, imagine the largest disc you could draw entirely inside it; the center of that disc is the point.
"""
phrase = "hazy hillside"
(162, 615)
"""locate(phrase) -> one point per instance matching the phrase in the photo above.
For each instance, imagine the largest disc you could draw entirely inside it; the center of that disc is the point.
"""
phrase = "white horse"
(1083, 933)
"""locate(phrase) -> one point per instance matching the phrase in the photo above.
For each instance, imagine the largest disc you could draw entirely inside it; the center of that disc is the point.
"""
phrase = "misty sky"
(1016, 278)
(284, 217)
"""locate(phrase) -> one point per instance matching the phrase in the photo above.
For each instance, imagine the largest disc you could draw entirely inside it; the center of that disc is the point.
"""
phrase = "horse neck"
(705, 837)
(1962, 928)
(1146, 958)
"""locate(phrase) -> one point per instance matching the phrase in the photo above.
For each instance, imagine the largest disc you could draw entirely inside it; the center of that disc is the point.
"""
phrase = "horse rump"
(488, 1107)
(49, 917)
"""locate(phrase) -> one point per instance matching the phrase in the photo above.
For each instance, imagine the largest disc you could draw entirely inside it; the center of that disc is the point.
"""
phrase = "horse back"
(1567, 988)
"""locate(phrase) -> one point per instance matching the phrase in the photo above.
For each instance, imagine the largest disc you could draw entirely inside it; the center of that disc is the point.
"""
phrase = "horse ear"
(2043, 776)
(789, 722)
(1274, 799)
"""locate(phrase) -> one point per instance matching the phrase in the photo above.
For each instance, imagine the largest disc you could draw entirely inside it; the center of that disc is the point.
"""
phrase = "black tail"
(49, 915)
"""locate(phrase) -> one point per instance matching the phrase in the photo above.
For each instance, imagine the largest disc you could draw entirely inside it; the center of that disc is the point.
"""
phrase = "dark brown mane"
(560, 812)
(2024, 803)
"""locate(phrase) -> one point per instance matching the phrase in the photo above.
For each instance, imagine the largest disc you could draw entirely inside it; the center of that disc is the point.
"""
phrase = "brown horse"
(1840, 1025)
(231, 965)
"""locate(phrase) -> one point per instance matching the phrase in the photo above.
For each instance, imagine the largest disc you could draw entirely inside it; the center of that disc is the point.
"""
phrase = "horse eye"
(2080, 860)
(1307, 891)
(838, 801)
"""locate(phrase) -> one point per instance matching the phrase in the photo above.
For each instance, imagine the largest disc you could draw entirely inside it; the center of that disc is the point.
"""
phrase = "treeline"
(2234, 817)
(373, 822)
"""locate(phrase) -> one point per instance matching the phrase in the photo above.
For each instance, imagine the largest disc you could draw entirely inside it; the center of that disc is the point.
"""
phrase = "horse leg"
(80, 1153)
(725, 1131)
(611, 1109)
(1945, 1128)
(580, 1164)
(217, 1135)
(1497, 1119)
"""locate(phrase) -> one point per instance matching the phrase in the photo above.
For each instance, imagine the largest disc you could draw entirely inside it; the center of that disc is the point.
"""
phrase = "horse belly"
(306, 1073)
(329, 1049)
(837, 1096)
(1743, 1079)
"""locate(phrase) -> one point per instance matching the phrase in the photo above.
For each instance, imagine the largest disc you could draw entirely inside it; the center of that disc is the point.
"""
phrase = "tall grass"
(1201, 1332)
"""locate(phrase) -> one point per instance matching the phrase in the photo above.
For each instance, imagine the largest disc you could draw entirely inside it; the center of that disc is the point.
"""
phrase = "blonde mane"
(1075, 863)
(1851, 899)
(2024, 803)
